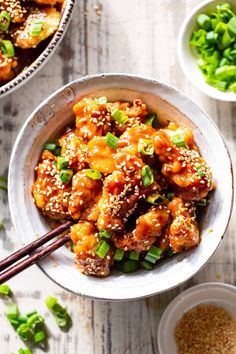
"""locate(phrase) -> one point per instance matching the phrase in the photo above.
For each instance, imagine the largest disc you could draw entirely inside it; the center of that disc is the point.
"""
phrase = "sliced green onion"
(35, 321)
(5, 19)
(22, 319)
(66, 175)
(204, 21)
(39, 337)
(24, 332)
(12, 311)
(5, 289)
(153, 254)
(152, 120)
(127, 266)
(170, 195)
(102, 249)
(202, 203)
(200, 171)
(145, 147)
(62, 163)
(104, 233)
(169, 252)
(36, 28)
(147, 265)
(50, 146)
(101, 100)
(211, 38)
(119, 117)
(24, 351)
(119, 254)
(31, 313)
(232, 26)
(134, 255)
(111, 140)
(147, 175)
(155, 199)
(3, 183)
(179, 141)
(15, 323)
(61, 316)
(93, 174)
(7, 48)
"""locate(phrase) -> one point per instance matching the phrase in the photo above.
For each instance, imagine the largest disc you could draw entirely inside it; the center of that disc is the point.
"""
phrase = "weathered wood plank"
(133, 36)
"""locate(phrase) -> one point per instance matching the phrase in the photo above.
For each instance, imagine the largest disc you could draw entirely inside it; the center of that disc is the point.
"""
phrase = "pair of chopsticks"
(31, 254)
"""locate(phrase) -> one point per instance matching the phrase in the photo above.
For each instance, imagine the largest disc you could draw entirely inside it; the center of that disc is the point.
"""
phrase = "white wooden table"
(133, 36)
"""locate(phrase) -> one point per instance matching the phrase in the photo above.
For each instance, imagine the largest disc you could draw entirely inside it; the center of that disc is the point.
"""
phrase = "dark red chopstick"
(34, 245)
(33, 258)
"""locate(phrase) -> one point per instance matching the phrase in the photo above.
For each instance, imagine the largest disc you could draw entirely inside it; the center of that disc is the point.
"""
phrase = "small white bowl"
(220, 294)
(188, 61)
(47, 53)
(53, 115)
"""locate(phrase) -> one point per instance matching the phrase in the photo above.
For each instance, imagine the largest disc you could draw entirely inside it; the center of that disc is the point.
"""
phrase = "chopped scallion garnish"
(61, 315)
(102, 249)
(170, 195)
(169, 252)
(111, 140)
(119, 254)
(153, 254)
(147, 175)
(5, 289)
(179, 141)
(39, 336)
(7, 48)
(152, 120)
(62, 163)
(145, 147)
(12, 311)
(3, 183)
(134, 255)
(36, 28)
(119, 117)
(101, 100)
(202, 203)
(50, 147)
(155, 199)
(104, 233)
(66, 175)
(147, 265)
(93, 174)
(24, 332)
(127, 266)
(200, 170)
(5, 19)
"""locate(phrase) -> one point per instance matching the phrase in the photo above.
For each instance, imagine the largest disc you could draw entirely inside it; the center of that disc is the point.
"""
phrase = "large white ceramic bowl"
(53, 115)
(47, 53)
(188, 61)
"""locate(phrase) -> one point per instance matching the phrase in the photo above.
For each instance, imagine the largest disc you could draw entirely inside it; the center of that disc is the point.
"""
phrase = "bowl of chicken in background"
(30, 31)
(49, 121)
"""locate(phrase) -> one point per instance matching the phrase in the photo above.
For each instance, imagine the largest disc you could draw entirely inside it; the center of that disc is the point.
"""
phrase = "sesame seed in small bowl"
(202, 319)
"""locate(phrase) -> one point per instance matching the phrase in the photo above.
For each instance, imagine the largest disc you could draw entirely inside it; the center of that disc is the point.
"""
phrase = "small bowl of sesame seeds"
(202, 319)
(49, 121)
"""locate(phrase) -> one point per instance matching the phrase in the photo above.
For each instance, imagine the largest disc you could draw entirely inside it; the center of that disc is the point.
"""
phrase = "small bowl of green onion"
(207, 48)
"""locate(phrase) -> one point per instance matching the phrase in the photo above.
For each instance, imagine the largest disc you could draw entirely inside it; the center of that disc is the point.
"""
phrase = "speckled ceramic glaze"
(188, 61)
(53, 115)
(25, 75)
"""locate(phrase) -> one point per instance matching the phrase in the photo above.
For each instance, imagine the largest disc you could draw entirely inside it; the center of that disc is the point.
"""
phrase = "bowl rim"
(219, 95)
(116, 76)
(39, 62)
(182, 298)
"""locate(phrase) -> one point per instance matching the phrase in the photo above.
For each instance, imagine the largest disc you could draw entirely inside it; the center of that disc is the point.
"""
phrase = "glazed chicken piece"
(173, 130)
(74, 150)
(163, 240)
(15, 9)
(129, 140)
(121, 192)
(50, 193)
(184, 233)
(148, 228)
(184, 169)
(7, 66)
(100, 155)
(92, 119)
(84, 237)
(50, 18)
(136, 114)
(84, 197)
